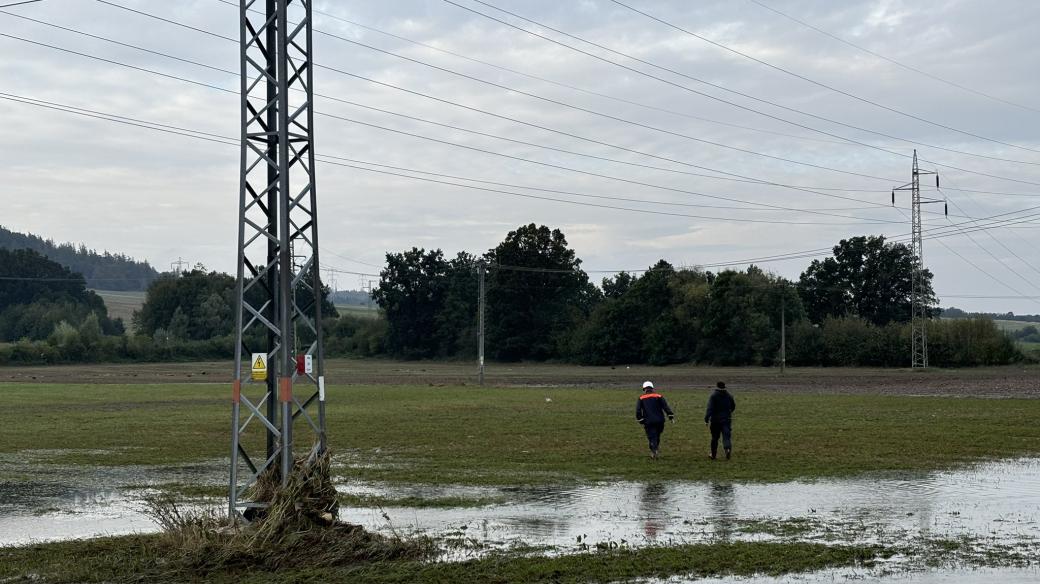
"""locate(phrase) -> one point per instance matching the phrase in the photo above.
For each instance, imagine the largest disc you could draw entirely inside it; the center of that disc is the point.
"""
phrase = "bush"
(855, 342)
(355, 336)
(969, 343)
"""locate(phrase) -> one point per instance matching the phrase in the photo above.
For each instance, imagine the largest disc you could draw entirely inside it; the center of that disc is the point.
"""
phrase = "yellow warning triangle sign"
(259, 364)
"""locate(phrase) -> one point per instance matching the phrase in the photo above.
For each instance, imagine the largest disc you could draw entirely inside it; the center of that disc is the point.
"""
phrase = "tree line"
(851, 308)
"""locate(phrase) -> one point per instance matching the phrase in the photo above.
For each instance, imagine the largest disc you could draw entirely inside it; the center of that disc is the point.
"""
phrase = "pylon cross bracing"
(278, 289)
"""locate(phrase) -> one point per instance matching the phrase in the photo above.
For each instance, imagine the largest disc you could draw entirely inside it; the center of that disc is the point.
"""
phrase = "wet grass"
(146, 559)
(785, 528)
(451, 502)
(511, 436)
(186, 491)
(197, 491)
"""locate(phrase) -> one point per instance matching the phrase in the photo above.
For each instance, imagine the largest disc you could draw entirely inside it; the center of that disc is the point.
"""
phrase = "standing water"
(991, 505)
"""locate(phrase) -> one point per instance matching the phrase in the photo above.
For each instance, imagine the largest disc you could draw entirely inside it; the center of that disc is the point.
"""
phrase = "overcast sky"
(158, 196)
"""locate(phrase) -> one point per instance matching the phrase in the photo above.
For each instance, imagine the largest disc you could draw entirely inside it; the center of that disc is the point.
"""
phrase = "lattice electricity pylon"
(279, 284)
(919, 291)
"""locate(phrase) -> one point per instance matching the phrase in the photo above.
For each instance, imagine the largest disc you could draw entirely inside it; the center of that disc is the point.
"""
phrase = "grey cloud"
(125, 176)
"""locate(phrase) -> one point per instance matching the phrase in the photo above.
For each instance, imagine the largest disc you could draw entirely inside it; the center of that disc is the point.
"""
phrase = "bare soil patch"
(1011, 381)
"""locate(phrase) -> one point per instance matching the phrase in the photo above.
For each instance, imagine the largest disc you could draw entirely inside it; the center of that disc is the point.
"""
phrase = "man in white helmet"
(651, 410)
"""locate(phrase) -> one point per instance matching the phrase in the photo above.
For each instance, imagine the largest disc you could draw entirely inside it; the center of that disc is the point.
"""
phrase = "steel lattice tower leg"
(278, 290)
(919, 318)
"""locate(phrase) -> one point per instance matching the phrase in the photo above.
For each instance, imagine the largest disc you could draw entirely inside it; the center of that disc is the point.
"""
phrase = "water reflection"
(722, 501)
(653, 502)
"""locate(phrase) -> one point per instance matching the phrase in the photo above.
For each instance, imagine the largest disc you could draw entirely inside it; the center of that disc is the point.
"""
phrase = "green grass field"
(524, 435)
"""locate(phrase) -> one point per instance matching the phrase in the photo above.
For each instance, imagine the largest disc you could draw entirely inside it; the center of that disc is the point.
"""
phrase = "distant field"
(122, 304)
(359, 311)
(1014, 325)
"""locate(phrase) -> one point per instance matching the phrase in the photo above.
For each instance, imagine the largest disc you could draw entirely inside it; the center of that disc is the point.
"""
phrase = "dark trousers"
(723, 428)
(653, 434)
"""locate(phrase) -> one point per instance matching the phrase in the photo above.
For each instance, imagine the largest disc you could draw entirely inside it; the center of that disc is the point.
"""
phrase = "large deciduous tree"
(742, 318)
(866, 277)
(536, 294)
(411, 293)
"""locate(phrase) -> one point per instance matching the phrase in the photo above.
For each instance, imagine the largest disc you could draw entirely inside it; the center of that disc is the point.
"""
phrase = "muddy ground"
(1011, 381)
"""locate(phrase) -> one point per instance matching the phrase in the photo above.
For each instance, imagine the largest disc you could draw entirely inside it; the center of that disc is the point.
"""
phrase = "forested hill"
(104, 270)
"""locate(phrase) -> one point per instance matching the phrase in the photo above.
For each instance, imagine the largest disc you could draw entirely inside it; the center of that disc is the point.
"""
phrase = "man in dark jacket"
(650, 412)
(719, 419)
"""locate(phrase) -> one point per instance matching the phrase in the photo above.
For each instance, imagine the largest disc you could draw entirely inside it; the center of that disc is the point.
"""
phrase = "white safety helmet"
(648, 385)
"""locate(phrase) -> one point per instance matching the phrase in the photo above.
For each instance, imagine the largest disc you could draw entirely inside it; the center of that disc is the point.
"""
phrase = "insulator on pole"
(936, 180)
(893, 198)
(946, 209)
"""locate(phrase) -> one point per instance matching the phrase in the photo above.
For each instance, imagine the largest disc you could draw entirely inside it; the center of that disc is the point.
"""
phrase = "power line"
(455, 104)
(715, 98)
(356, 261)
(953, 230)
(1009, 250)
(18, 3)
(186, 133)
(560, 83)
(325, 160)
(636, 123)
(467, 187)
(596, 205)
(230, 141)
(893, 61)
(165, 128)
(973, 264)
(358, 122)
(941, 232)
(579, 194)
(823, 85)
(616, 118)
(499, 86)
(734, 176)
(352, 103)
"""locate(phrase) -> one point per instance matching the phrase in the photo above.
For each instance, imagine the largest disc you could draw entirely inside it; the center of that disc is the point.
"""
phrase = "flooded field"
(990, 511)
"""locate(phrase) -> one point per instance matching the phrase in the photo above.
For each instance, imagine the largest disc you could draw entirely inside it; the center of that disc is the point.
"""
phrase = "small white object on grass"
(548, 399)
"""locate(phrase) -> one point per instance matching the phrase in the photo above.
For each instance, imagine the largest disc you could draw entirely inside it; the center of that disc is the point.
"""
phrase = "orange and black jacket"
(652, 408)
